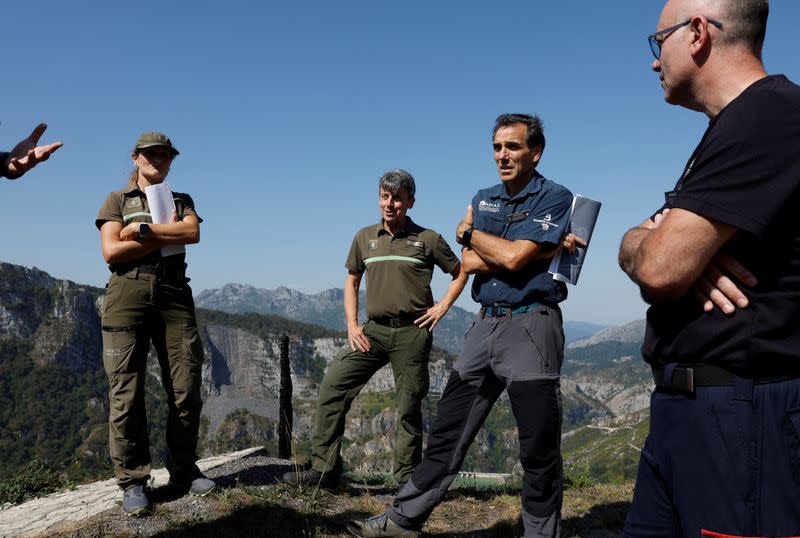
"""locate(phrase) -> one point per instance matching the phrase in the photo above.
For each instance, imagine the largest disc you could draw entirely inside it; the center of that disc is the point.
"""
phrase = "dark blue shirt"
(539, 213)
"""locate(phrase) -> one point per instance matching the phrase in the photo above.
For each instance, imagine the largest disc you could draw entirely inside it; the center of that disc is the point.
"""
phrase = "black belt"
(685, 377)
(496, 311)
(403, 321)
(167, 271)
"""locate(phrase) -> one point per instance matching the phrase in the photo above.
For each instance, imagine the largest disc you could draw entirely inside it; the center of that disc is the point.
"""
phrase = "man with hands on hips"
(398, 258)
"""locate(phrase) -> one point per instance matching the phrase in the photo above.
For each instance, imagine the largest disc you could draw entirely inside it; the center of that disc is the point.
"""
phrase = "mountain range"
(326, 309)
(53, 390)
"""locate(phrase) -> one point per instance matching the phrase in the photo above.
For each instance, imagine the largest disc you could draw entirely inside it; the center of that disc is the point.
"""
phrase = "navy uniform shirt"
(539, 213)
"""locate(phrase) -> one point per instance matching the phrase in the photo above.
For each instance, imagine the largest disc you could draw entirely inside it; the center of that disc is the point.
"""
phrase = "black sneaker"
(314, 478)
(135, 501)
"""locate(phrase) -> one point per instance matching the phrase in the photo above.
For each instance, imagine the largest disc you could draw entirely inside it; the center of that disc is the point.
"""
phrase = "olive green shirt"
(130, 205)
(399, 269)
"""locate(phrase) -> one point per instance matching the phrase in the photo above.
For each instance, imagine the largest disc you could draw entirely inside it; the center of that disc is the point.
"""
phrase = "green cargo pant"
(407, 349)
(138, 309)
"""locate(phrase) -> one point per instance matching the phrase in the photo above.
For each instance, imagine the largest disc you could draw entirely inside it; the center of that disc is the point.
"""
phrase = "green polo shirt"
(399, 269)
(130, 205)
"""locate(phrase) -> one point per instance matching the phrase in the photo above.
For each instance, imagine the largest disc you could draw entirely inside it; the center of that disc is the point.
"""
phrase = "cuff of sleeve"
(3, 170)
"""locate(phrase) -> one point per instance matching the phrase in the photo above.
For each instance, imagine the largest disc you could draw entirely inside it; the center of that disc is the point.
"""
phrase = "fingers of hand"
(716, 296)
(37, 133)
(726, 287)
(708, 306)
(732, 265)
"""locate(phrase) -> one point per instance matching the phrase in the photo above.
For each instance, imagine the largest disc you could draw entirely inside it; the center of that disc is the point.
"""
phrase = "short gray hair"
(744, 22)
(397, 179)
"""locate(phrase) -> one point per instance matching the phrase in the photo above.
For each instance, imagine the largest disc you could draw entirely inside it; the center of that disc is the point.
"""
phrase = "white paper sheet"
(162, 208)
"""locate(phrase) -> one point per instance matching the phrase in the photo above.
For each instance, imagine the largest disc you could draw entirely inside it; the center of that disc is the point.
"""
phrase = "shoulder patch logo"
(483, 205)
(546, 222)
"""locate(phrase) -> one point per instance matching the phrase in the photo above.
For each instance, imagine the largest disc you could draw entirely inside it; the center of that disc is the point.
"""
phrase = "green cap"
(152, 138)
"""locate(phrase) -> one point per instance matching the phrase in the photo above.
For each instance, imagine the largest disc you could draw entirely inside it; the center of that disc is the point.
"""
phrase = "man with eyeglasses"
(26, 154)
(723, 453)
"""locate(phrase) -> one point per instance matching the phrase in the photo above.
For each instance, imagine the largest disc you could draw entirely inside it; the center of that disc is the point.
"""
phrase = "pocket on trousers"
(112, 294)
(543, 327)
(466, 334)
(192, 348)
(118, 346)
(792, 432)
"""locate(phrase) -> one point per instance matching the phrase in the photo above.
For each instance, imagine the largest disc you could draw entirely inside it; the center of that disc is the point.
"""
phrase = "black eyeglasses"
(655, 42)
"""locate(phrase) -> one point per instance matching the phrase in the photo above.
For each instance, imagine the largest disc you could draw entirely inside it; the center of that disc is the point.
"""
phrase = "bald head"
(744, 22)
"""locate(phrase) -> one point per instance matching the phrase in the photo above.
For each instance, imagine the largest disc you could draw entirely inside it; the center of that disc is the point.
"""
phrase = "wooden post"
(285, 403)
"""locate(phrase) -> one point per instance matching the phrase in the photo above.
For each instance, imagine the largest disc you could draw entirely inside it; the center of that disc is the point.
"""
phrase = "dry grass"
(596, 511)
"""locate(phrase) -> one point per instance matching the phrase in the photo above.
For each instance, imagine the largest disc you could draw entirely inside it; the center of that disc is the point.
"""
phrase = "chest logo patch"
(372, 245)
(546, 222)
(133, 202)
(489, 206)
(411, 243)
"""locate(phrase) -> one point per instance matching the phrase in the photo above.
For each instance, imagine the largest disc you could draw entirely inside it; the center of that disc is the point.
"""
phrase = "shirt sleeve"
(184, 205)
(548, 220)
(355, 261)
(443, 256)
(743, 175)
(3, 157)
(111, 210)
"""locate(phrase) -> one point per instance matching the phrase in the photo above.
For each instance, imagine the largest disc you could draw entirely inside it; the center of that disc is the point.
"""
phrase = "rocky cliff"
(53, 388)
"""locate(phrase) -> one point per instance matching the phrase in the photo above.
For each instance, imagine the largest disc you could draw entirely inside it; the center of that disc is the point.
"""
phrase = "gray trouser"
(521, 354)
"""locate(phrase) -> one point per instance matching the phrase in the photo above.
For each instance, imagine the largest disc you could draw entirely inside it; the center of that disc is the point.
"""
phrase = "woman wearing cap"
(148, 299)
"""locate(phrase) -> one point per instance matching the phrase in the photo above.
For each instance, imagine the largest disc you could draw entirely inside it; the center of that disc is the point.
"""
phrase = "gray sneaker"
(199, 485)
(312, 477)
(135, 501)
(202, 486)
(380, 527)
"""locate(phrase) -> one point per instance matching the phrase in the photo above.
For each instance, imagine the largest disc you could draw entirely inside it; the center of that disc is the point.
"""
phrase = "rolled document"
(566, 267)
(162, 209)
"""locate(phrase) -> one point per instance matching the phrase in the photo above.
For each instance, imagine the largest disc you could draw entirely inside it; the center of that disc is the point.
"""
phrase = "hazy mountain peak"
(629, 333)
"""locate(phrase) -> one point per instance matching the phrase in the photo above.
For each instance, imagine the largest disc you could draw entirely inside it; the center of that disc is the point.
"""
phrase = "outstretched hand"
(28, 153)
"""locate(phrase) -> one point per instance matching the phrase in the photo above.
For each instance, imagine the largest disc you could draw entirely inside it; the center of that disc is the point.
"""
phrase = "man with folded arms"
(723, 454)
(509, 234)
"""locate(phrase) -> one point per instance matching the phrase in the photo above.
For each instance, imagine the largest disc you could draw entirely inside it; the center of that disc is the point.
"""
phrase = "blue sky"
(286, 114)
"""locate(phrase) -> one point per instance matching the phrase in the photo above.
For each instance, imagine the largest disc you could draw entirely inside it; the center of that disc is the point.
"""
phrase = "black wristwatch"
(144, 230)
(466, 237)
